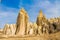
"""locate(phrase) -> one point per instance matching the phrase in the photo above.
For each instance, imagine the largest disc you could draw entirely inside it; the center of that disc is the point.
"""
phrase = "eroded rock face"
(40, 30)
(42, 23)
(9, 29)
(1, 31)
(54, 24)
(6, 29)
(24, 27)
(13, 29)
(46, 29)
(22, 21)
(41, 18)
(35, 27)
(30, 29)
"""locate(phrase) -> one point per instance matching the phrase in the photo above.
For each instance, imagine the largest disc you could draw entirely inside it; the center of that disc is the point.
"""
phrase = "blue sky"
(9, 9)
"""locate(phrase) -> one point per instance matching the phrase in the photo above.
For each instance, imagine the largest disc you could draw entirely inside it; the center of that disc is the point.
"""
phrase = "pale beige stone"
(1, 30)
(30, 29)
(41, 18)
(9, 29)
(24, 27)
(6, 29)
(35, 27)
(22, 21)
(12, 28)
(40, 30)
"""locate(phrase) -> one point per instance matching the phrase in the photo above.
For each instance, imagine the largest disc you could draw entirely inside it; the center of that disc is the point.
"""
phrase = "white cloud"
(0, 0)
(7, 15)
(51, 9)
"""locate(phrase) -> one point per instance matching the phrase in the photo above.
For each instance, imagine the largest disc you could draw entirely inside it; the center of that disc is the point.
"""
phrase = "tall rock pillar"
(42, 23)
(41, 18)
(22, 20)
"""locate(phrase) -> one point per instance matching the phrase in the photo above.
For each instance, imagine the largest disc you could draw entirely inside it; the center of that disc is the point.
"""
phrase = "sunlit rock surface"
(1, 31)
(9, 29)
(22, 21)
(42, 23)
(23, 29)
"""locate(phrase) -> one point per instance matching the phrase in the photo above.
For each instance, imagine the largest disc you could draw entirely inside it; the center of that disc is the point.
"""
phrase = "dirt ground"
(55, 36)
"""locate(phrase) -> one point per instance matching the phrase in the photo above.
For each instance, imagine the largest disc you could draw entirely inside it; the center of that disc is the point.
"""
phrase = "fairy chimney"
(22, 21)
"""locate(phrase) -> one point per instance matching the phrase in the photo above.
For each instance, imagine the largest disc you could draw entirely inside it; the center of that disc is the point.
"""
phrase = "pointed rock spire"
(22, 21)
(40, 18)
(40, 14)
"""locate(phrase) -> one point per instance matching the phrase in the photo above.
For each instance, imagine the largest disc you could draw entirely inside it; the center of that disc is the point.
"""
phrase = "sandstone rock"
(22, 21)
(40, 19)
(30, 30)
(1, 31)
(6, 29)
(46, 29)
(54, 25)
(51, 28)
(35, 27)
(28, 27)
(12, 28)
(42, 22)
(24, 27)
(40, 30)
(9, 29)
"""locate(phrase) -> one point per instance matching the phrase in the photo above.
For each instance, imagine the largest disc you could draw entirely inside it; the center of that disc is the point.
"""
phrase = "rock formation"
(24, 27)
(28, 28)
(41, 18)
(42, 22)
(9, 29)
(40, 30)
(31, 30)
(6, 29)
(1, 31)
(35, 27)
(13, 28)
(54, 24)
(22, 21)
